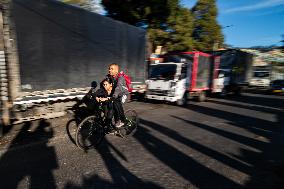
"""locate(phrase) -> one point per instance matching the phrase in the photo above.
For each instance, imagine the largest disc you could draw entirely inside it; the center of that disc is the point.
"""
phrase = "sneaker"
(119, 124)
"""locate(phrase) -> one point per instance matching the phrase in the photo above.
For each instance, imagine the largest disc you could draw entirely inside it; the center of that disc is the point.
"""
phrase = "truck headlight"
(172, 84)
(172, 92)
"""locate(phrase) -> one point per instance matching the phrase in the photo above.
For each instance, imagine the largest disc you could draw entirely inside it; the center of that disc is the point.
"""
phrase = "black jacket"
(90, 98)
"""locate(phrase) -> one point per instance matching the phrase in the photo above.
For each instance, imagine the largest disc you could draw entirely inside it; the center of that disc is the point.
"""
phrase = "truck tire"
(201, 97)
(182, 101)
(223, 93)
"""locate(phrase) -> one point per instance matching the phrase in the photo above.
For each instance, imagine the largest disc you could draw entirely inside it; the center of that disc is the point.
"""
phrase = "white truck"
(181, 76)
(264, 75)
(260, 78)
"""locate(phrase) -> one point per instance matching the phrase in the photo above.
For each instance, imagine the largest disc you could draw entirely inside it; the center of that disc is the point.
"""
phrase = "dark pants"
(114, 109)
(118, 110)
(108, 111)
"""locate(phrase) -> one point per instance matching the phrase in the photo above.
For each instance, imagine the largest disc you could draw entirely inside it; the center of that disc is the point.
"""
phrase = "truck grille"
(157, 92)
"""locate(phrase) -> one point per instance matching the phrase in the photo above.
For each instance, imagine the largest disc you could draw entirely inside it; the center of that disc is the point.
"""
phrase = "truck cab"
(222, 81)
(167, 81)
(261, 78)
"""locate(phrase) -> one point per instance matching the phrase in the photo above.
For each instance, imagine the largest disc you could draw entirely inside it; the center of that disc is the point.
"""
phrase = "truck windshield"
(165, 71)
(178, 58)
(261, 74)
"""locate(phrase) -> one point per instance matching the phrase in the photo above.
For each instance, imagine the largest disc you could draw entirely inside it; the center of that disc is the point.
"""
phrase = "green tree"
(180, 27)
(150, 13)
(207, 33)
(168, 24)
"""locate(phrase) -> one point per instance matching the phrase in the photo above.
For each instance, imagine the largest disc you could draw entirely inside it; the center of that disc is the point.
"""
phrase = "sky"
(248, 23)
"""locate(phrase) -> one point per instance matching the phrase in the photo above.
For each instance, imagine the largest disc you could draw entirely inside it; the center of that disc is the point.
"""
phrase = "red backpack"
(127, 80)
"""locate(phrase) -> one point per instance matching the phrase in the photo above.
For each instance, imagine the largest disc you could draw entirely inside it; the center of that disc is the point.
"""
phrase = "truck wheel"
(182, 101)
(223, 93)
(201, 97)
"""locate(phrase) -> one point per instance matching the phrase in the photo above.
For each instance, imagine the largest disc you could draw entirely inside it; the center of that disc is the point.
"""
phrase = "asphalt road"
(237, 142)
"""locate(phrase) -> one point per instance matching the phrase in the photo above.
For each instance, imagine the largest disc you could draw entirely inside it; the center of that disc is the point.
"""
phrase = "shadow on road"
(270, 101)
(31, 165)
(255, 107)
(185, 166)
(122, 178)
(238, 165)
(267, 169)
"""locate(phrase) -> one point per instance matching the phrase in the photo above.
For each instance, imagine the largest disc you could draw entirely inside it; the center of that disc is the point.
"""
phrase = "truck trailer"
(51, 51)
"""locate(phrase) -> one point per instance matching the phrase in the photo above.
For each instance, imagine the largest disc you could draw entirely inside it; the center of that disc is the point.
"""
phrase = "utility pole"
(9, 67)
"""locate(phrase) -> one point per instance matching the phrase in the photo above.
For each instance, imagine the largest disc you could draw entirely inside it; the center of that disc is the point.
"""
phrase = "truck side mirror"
(221, 75)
